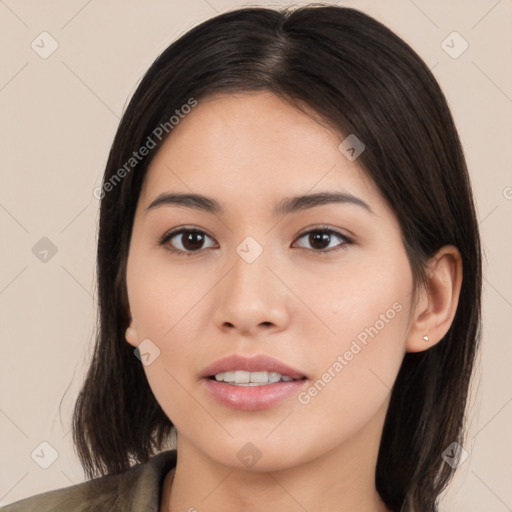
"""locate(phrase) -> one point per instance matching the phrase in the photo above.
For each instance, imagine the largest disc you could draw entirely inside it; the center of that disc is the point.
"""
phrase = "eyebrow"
(283, 207)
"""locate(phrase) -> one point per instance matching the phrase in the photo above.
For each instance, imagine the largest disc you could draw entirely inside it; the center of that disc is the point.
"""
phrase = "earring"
(425, 338)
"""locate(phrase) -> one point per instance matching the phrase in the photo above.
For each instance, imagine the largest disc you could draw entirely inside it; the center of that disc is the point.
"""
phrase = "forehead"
(252, 145)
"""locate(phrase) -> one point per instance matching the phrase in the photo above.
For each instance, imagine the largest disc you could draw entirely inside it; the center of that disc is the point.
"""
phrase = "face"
(319, 292)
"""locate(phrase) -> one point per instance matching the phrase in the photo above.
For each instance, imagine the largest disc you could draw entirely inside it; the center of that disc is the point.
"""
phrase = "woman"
(286, 217)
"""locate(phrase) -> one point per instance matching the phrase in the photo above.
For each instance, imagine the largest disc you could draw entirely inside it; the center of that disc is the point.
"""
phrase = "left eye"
(192, 240)
(318, 238)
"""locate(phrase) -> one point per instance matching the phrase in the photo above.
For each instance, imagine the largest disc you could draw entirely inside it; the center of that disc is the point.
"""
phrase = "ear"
(436, 301)
(131, 335)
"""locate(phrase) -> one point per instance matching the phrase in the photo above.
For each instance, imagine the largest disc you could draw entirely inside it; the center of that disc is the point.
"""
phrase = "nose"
(251, 298)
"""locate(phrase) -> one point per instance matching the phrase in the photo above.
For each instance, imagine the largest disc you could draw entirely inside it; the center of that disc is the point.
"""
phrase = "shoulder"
(137, 489)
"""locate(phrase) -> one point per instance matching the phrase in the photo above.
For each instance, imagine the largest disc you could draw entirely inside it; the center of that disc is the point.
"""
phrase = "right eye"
(189, 241)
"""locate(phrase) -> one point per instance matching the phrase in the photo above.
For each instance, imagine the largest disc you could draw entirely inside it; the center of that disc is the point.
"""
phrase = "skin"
(249, 151)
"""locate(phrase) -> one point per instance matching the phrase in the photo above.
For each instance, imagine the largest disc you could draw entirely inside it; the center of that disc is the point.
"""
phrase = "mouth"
(245, 378)
(251, 383)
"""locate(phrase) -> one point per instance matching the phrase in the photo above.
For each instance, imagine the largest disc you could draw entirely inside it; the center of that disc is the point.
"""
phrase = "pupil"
(319, 240)
(193, 238)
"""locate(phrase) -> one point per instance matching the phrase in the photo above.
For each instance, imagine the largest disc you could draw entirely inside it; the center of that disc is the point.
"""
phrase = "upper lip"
(257, 363)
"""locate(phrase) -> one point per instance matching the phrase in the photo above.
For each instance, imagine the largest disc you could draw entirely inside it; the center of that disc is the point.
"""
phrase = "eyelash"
(322, 252)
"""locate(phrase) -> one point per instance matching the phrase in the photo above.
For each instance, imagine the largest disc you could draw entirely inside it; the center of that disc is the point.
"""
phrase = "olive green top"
(138, 489)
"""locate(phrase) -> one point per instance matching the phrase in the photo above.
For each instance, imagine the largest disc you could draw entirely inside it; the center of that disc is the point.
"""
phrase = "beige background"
(58, 119)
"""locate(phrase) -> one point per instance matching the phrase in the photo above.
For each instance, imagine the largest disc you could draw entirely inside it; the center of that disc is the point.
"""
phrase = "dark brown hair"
(362, 79)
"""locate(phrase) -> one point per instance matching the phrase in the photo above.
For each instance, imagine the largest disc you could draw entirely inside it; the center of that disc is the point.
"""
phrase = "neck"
(343, 479)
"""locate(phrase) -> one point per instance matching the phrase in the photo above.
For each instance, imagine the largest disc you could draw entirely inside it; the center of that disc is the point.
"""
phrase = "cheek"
(164, 302)
(356, 359)
(364, 298)
(162, 296)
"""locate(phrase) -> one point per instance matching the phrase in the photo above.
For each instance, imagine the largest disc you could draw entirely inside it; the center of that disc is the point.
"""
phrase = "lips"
(247, 396)
(258, 363)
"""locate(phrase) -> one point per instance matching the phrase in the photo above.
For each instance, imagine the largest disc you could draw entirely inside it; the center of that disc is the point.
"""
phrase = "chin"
(258, 456)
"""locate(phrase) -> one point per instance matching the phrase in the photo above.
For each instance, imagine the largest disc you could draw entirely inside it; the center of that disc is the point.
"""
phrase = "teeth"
(257, 377)
(243, 378)
(274, 377)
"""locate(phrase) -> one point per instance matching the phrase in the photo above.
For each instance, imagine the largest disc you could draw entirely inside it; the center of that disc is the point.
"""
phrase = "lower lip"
(253, 398)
